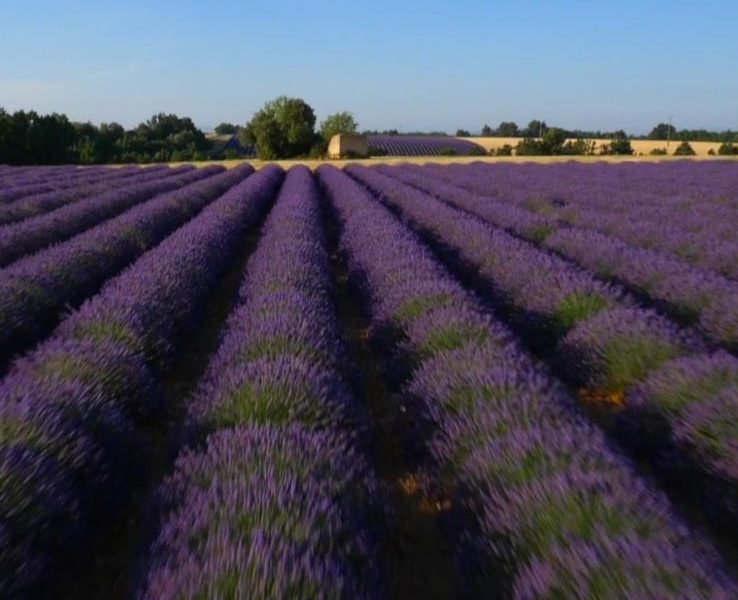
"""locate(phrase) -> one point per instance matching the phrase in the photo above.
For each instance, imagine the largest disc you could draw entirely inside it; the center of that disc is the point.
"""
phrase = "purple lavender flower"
(34, 290)
(530, 480)
(617, 348)
(266, 512)
(276, 502)
(80, 401)
(35, 233)
(94, 183)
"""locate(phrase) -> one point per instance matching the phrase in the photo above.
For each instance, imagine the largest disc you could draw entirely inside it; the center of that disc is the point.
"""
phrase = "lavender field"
(421, 145)
(443, 381)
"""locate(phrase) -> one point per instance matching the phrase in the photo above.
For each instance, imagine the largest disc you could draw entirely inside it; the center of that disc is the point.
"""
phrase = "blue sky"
(405, 65)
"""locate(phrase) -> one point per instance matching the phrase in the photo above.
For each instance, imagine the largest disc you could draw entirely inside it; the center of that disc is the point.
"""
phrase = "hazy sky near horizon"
(412, 65)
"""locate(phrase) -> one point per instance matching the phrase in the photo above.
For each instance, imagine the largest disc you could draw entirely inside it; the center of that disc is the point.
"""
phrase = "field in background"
(640, 147)
(642, 150)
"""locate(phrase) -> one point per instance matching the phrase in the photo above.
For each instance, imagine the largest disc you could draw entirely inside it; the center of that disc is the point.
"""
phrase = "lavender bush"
(35, 290)
(544, 504)
(279, 493)
(73, 412)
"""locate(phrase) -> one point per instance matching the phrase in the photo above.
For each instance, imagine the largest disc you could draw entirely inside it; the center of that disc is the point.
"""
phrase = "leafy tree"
(553, 140)
(703, 135)
(284, 128)
(265, 132)
(165, 137)
(342, 122)
(5, 136)
(504, 150)
(727, 149)
(507, 129)
(663, 131)
(462, 133)
(535, 129)
(319, 149)
(30, 138)
(487, 131)
(529, 147)
(619, 144)
(106, 143)
(684, 149)
(225, 128)
(84, 146)
(578, 147)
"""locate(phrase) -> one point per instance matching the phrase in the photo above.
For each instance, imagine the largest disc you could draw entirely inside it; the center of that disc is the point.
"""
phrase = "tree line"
(283, 128)
(27, 138)
(662, 131)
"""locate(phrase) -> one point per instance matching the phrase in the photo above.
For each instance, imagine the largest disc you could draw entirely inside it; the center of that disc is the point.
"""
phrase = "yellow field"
(640, 147)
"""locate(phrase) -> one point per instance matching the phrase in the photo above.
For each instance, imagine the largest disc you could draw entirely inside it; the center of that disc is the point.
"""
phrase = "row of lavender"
(36, 289)
(681, 399)
(687, 210)
(697, 396)
(74, 412)
(20, 182)
(641, 189)
(35, 233)
(689, 294)
(36, 204)
(271, 498)
(543, 508)
(11, 193)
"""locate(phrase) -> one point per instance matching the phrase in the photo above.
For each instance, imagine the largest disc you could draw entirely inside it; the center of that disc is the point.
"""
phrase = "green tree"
(508, 129)
(27, 138)
(166, 137)
(529, 147)
(663, 131)
(85, 144)
(30, 138)
(579, 147)
(553, 140)
(684, 149)
(225, 128)
(109, 136)
(487, 131)
(462, 133)
(284, 128)
(265, 132)
(5, 136)
(727, 149)
(619, 144)
(535, 129)
(342, 122)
